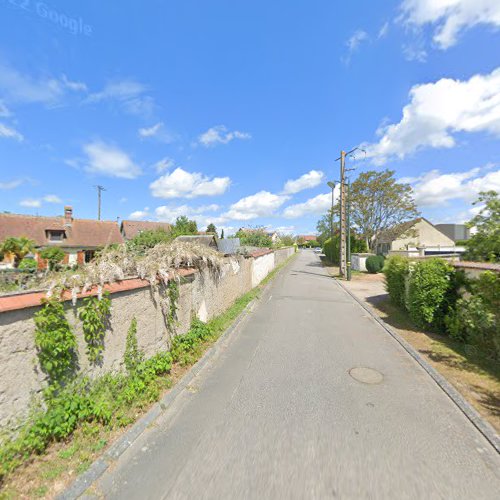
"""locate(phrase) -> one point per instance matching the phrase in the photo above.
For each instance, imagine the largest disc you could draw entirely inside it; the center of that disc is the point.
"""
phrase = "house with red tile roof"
(78, 238)
(131, 228)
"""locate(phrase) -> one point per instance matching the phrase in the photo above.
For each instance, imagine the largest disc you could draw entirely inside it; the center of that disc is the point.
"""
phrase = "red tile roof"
(131, 228)
(308, 237)
(79, 233)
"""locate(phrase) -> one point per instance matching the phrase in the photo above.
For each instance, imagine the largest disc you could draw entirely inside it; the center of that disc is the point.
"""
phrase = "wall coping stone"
(485, 266)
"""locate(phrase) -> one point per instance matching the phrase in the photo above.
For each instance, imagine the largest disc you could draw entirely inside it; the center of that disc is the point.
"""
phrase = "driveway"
(280, 413)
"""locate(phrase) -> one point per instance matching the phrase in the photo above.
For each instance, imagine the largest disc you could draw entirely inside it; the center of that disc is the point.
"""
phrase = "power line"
(99, 190)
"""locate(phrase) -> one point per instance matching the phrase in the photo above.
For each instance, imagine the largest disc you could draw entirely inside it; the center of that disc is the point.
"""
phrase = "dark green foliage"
(475, 319)
(27, 264)
(212, 229)
(184, 226)
(148, 239)
(485, 244)
(375, 263)
(430, 281)
(255, 238)
(396, 271)
(53, 255)
(173, 297)
(55, 342)
(332, 248)
(185, 347)
(94, 315)
(133, 355)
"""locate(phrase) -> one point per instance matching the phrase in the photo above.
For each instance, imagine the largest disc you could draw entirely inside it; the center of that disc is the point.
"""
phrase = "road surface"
(279, 414)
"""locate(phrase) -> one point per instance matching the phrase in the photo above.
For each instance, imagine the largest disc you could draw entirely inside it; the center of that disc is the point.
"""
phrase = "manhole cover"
(366, 375)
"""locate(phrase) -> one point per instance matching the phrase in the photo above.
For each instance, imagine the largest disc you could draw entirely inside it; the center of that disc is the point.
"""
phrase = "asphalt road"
(277, 414)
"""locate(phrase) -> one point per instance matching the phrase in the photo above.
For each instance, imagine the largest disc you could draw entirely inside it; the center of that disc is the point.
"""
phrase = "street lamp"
(331, 185)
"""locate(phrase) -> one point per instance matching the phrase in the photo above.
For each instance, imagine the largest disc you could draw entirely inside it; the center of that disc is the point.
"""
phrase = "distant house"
(456, 232)
(79, 238)
(302, 239)
(131, 228)
(415, 238)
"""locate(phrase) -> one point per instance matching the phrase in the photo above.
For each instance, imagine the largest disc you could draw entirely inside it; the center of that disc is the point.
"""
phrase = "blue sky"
(208, 108)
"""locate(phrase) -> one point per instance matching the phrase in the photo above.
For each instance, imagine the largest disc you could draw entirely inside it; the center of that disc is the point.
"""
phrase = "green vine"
(133, 355)
(94, 315)
(173, 297)
(55, 342)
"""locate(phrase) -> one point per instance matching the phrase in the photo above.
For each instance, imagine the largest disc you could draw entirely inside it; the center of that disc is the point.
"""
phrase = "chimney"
(68, 215)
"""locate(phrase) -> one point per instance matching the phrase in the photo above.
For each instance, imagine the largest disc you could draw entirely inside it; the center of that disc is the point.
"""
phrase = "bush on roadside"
(475, 319)
(27, 264)
(375, 263)
(396, 272)
(430, 282)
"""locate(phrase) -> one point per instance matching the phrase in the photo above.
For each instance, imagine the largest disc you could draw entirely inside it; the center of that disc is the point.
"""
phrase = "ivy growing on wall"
(172, 298)
(56, 342)
(133, 355)
(94, 315)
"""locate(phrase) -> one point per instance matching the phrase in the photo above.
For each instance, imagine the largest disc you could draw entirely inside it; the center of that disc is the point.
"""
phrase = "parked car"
(318, 250)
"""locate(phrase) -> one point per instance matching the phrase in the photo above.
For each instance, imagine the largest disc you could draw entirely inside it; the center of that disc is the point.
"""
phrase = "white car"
(318, 250)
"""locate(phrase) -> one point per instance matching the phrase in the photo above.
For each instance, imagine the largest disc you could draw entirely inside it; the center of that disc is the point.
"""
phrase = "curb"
(84, 481)
(471, 413)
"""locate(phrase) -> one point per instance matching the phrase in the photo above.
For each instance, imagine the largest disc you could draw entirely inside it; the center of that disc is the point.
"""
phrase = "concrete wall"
(358, 261)
(201, 294)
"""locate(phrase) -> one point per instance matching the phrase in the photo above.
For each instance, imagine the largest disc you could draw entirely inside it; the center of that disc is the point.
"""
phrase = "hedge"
(375, 263)
(440, 298)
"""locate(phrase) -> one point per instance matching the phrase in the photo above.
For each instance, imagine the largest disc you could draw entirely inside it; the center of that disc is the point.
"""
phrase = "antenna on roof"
(99, 189)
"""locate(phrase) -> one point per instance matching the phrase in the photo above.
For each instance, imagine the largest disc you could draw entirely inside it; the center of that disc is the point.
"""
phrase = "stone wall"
(200, 293)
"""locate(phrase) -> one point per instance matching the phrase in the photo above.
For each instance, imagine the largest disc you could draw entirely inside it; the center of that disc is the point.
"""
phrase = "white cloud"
(30, 202)
(383, 30)
(312, 179)
(140, 214)
(109, 160)
(317, 205)
(4, 110)
(261, 204)
(52, 198)
(18, 87)
(450, 17)
(169, 213)
(11, 184)
(434, 188)
(130, 94)
(151, 131)
(437, 111)
(183, 184)
(163, 165)
(10, 133)
(156, 131)
(353, 43)
(220, 135)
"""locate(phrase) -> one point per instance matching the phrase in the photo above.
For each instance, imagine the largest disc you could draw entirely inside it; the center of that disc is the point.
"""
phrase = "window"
(55, 235)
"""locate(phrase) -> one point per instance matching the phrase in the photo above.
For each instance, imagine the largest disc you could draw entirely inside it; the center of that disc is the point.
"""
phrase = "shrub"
(27, 264)
(475, 319)
(396, 271)
(428, 292)
(331, 247)
(375, 263)
(53, 255)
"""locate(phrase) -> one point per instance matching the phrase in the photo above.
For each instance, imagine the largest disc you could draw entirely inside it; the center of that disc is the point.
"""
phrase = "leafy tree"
(254, 238)
(286, 240)
(324, 226)
(53, 255)
(211, 228)
(379, 202)
(485, 244)
(184, 226)
(19, 247)
(148, 239)
(331, 248)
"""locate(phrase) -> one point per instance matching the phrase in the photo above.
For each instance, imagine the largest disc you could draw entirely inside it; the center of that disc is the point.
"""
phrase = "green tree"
(183, 226)
(222, 234)
(485, 244)
(18, 247)
(148, 239)
(378, 203)
(324, 226)
(212, 229)
(53, 255)
(255, 238)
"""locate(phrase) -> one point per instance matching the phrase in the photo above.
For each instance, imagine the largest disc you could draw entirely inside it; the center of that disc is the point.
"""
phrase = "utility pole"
(348, 256)
(331, 185)
(343, 221)
(99, 190)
